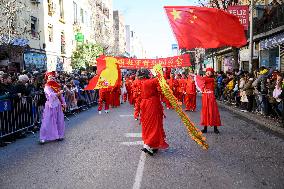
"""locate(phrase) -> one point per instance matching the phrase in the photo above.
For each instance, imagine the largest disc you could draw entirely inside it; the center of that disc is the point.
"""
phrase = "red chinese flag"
(201, 27)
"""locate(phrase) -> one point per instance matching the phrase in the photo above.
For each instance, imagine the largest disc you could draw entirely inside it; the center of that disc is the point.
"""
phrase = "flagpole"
(251, 36)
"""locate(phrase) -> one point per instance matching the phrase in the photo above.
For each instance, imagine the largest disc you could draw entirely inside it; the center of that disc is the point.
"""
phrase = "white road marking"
(139, 172)
(134, 135)
(135, 143)
(128, 115)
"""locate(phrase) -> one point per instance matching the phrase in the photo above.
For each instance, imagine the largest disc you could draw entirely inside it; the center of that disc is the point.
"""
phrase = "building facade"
(134, 46)
(119, 34)
(22, 38)
(268, 40)
(103, 24)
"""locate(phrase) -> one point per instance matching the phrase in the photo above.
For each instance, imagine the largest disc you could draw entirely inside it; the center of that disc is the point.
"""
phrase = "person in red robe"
(181, 87)
(104, 99)
(190, 94)
(153, 134)
(129, 89)
(136, 86)
(210, 115)
(115, 96)
(172, 84)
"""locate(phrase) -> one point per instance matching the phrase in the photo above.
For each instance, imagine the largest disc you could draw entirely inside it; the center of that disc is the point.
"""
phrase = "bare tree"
(13, 23)
(219, 4)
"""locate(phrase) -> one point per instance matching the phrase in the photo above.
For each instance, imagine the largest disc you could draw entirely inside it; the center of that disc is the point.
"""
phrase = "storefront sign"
(14, 41)
(5, 105)
(272, 42)
(35, 61)
(79, 37)
(174, 46)
(241, 11)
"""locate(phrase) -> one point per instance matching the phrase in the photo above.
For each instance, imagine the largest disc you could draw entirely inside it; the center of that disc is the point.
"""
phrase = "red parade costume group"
(146, 97)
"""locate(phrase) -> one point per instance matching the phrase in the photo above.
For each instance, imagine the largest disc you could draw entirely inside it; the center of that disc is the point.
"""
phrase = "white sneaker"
(100, 112)
(41, 141)
(106, 111)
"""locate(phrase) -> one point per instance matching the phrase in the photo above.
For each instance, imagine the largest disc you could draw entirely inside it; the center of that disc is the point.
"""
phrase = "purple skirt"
(53, 125)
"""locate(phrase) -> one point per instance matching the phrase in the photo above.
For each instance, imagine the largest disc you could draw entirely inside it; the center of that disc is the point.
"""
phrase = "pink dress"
(53, 125)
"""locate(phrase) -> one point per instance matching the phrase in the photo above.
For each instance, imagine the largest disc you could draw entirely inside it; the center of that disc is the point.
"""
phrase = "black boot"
(204, 130)
(216, 130)
(147, 151)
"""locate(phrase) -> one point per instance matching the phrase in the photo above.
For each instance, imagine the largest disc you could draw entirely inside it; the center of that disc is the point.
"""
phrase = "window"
(75, 12)
(34, 26)
(82, 15)
(132, 34)
(50, 7)
(86, 18)
(61, 10)
(50, 33)
(63, 43)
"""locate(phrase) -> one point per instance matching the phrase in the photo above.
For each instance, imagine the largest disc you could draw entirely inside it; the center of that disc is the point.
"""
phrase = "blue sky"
(148, 19)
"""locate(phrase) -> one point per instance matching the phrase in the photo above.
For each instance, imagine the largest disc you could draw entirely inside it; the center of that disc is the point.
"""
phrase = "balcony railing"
(273, 17)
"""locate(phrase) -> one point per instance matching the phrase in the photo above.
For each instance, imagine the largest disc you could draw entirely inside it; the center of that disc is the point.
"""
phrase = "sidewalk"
(265, 123)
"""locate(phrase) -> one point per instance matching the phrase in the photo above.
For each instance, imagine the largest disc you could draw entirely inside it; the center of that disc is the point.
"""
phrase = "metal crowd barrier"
(18, 114)
(22, 114)
(85, 99)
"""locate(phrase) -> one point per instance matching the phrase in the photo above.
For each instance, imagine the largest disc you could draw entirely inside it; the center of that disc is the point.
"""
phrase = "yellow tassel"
(195, 133)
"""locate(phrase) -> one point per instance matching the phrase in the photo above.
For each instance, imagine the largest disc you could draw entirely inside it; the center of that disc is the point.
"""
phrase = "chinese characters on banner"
(241, 11)
(171, 62)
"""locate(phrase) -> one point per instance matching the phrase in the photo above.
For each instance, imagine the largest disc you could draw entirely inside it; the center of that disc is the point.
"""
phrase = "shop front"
(34, 61)
(270, 52)
(244, 56)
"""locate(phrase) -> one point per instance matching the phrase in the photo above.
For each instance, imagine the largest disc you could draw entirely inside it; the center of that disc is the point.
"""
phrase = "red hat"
(49, 74)
(210, 69)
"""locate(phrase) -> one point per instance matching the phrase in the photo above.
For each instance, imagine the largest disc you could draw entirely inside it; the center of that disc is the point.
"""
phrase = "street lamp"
(251, 35)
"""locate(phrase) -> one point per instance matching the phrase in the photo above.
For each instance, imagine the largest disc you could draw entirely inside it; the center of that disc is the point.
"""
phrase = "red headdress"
(210, 69)
(52, 84)
(49, 74)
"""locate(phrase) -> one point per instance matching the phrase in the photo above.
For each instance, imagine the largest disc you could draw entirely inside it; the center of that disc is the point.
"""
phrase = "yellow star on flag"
(194, 17)
(176, 14)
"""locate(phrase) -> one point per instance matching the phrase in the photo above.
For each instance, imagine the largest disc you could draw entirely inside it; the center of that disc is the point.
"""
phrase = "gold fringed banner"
(194, 132)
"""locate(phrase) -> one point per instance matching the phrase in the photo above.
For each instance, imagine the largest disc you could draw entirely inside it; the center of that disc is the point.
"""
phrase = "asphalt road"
(103, 151)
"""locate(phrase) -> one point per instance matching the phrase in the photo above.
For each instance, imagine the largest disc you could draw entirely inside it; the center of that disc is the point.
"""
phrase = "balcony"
(273, 17)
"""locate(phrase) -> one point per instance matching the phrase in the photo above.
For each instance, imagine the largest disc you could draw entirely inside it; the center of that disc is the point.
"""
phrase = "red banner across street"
(170, 62)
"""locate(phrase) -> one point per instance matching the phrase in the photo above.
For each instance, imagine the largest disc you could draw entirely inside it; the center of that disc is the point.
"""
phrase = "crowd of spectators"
(261, 92)
(26, 84)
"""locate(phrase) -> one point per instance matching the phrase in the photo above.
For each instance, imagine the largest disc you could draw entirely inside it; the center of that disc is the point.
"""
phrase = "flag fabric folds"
(201, 27)
(108, 74)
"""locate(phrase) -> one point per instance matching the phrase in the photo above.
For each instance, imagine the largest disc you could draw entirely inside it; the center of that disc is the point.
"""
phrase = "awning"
(272, 42)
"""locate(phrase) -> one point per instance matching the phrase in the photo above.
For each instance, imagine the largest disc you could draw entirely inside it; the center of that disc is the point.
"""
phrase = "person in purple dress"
(53, 125)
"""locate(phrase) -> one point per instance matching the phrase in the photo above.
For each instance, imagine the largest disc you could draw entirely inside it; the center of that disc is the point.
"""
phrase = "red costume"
(190, 95)
(153, 133)
(210, 113)
(136, 86)
(128, 84)
(181, 89)
(115, 96)
(173, 86)
(104, 97)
